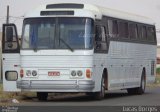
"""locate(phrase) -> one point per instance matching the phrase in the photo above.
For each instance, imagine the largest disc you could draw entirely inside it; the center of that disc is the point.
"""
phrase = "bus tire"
(89, 93)
(100, 95)
(42, 96)
(140, 90)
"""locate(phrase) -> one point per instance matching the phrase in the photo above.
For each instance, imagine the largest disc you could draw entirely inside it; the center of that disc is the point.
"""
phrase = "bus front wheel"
(100, 95)
(42, 96)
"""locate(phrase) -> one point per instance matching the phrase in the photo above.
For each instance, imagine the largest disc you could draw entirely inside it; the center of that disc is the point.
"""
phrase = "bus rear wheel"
(140, 90)
(42, 96)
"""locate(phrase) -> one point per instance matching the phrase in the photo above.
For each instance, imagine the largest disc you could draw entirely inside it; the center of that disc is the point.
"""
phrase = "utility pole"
(7, 18)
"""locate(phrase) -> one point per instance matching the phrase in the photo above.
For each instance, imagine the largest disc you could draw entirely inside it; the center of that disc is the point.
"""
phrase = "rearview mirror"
(9, 34)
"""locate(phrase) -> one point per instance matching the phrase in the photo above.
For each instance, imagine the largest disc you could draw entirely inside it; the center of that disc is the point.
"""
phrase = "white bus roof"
(92, 11)
(125, 15)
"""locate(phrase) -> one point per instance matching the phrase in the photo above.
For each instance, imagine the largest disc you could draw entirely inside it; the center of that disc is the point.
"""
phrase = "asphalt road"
(112, 98)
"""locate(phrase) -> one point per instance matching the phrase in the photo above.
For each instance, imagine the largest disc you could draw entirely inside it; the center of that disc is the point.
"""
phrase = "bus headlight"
(73, 73)
(28, 73)
(79, 73)
(34, 73)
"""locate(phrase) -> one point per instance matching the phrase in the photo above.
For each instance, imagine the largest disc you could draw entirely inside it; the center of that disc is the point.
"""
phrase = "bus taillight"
(88, 73)
(21, 73)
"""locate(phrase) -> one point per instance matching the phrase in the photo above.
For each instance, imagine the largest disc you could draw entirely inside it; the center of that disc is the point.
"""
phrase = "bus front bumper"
(56, 85)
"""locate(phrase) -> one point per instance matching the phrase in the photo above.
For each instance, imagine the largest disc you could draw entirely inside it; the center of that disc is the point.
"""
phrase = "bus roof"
(125, 15)
(87, 10)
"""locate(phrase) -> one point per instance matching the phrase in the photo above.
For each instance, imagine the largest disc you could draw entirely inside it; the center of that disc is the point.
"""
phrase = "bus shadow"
(81, 97)
(86, 98)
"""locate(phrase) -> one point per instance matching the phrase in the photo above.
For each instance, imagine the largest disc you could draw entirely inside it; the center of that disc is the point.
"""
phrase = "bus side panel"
(125, 62)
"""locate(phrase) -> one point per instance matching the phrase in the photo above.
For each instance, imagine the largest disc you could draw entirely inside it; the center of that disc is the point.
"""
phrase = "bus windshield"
(57, 33)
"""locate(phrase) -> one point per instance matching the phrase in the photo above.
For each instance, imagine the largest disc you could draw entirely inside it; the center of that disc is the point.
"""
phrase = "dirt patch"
(14, 97)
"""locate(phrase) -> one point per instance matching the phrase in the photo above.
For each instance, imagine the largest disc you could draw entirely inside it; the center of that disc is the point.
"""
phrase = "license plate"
(53, 73)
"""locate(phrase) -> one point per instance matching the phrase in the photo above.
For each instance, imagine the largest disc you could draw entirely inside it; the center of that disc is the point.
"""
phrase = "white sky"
(148, 8)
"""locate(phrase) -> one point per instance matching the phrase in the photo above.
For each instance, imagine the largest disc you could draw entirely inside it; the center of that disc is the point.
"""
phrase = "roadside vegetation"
(157, 81)
(158, 76)
(158, 71)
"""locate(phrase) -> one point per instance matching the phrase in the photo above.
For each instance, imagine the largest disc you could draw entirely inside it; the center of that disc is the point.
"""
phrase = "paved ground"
(113, 98)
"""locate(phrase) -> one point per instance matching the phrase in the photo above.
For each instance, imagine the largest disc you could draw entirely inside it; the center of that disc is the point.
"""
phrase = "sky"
(18, 8)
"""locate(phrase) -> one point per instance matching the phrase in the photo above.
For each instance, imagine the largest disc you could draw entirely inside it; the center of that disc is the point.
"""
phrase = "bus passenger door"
(10, 58)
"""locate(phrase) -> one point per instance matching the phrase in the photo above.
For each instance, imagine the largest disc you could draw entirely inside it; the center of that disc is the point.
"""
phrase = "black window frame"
(135, 31)
(17, 50)
(100, 41)
(116, 33)
(138, 40)
(126, 34)
(153, 38)
(144, 33)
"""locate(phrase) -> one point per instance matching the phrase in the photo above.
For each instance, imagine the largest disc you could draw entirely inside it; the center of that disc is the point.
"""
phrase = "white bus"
(69, 47)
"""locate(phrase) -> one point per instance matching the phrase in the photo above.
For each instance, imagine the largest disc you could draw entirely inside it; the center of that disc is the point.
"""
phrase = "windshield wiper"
(66, 44)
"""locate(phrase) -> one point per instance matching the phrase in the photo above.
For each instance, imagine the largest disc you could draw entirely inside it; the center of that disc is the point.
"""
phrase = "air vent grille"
(72, 6)
(47, 13)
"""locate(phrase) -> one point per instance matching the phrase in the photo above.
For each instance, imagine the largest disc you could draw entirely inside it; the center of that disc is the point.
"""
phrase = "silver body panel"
(124, 62)
(57, 85)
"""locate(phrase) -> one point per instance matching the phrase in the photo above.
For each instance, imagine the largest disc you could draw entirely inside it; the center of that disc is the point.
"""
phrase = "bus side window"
(133, 31)
(123, 29)
(112, 28)
(98, 36)
(150, 34)
(142, 32)
(100, 39)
